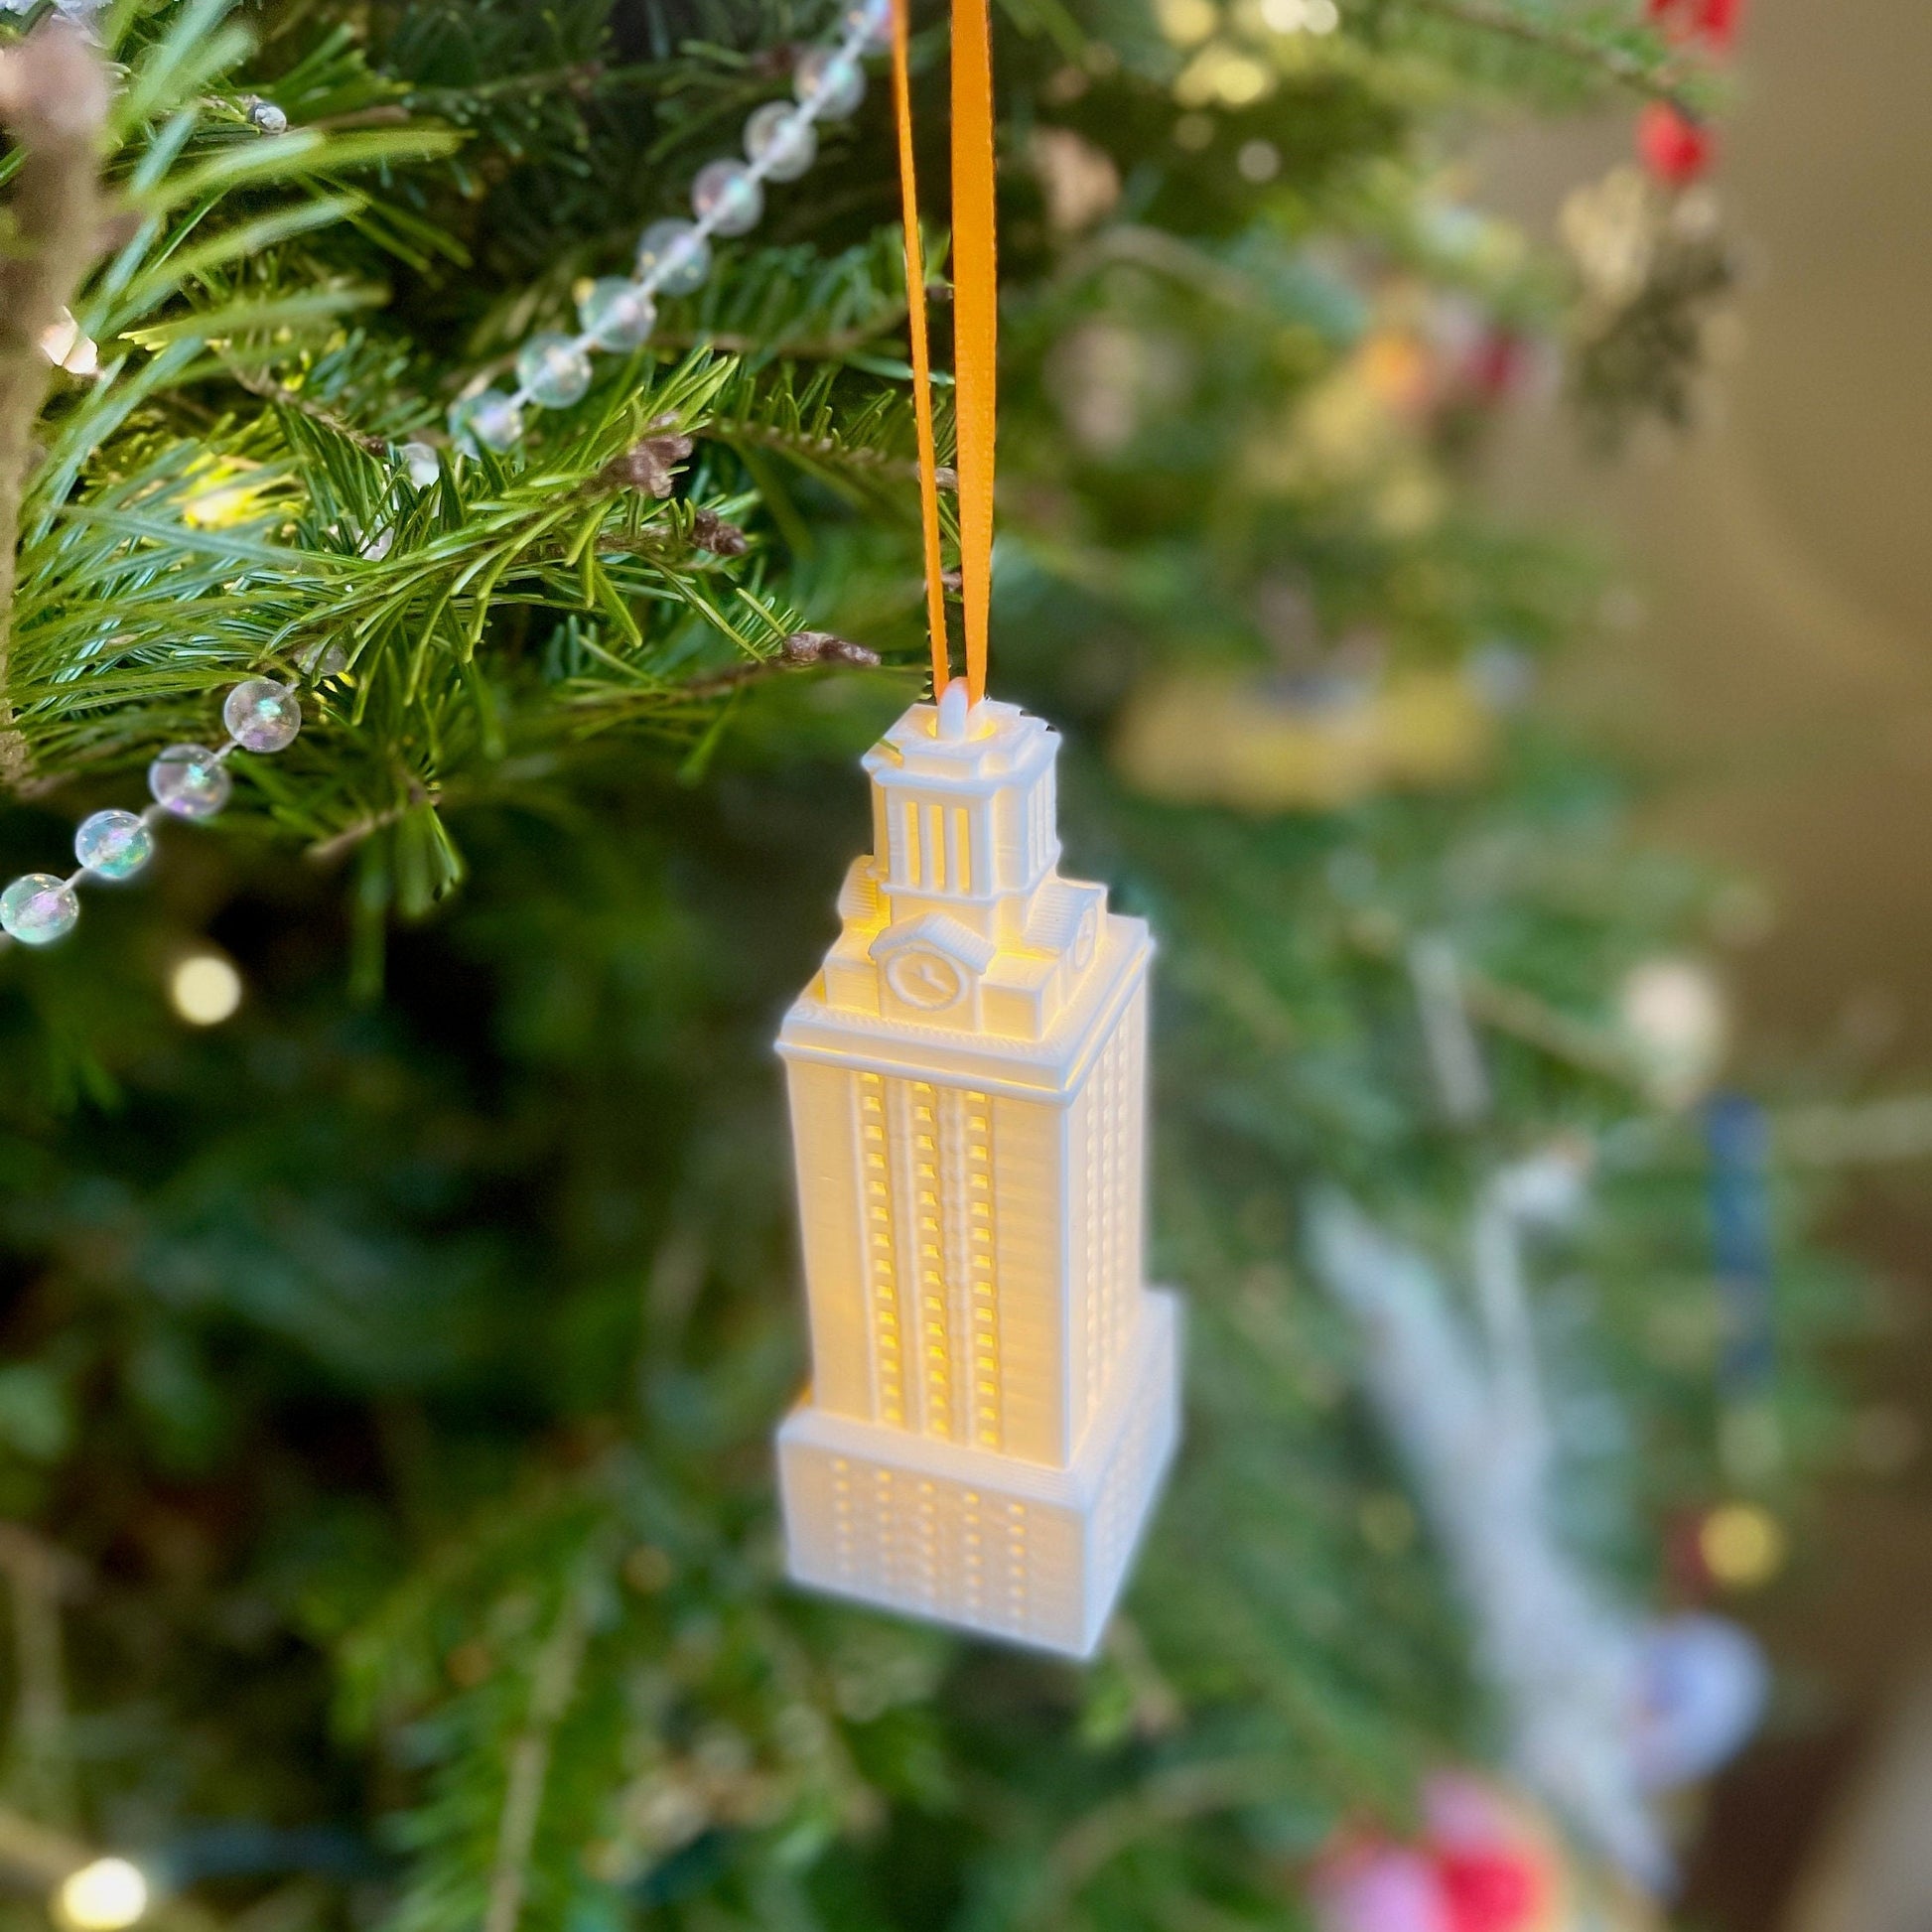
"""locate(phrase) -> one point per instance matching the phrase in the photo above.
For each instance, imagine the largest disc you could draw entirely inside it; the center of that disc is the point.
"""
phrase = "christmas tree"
(398, 1217)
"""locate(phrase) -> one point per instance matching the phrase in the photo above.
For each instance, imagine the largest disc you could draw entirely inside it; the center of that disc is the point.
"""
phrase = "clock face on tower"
(924, 978)
(1086, 939)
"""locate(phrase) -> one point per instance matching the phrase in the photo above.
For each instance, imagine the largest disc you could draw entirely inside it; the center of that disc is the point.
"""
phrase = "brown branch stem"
(53, 101)
(1625, 69)
(266, 387)
(552, 1687)
(793, 443)
(43, 1577)
(1512, 1011)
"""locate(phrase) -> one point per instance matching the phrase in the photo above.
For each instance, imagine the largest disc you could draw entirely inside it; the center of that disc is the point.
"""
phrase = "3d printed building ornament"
(993, 1400)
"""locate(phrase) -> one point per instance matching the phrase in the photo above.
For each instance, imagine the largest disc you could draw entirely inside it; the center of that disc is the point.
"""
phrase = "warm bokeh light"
(103, 1897)
(1741, 1545)
(1674, 1013)
(204, 988)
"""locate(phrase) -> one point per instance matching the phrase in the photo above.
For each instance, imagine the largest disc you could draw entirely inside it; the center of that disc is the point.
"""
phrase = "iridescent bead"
(726, 196)
(262, 716)
(113, 844)
(553, 369)
(490, 419)
(780, 140)
(617, 313)
(324, 659)
(870, 21)
(673, 257)
(419, 460)
(189, 781)
(37, 908)
(830, 79)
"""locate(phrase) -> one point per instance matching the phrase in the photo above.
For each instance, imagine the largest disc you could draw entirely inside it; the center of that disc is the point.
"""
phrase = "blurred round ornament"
(1611, 229)
(1498, 1866)
(1673, 1013)
(1703, 1683)
(832, 81)
(1714, 22)
(1741, 1545)
(1379, 1888)
(617, 313)
(1676, 149)
(1484, 1863)
(1316, 742)
(553, 369)
(727, 196)
(1551, 1188)
(676, 255)
(870, 21)
(781, 140)
(490, 419)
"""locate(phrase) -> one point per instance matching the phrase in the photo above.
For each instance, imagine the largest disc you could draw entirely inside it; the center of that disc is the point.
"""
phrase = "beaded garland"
(616, 311)
(553, 371)
(189, 782)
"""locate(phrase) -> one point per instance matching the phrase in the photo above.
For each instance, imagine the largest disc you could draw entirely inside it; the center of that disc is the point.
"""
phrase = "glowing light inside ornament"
(105, 1896)
(204, 988)
(993, 1399)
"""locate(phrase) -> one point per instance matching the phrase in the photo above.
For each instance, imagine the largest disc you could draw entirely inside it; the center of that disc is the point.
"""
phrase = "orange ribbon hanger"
(976, 330)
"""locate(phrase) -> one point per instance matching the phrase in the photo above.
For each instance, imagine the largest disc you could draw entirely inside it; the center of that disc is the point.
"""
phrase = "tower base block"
(968, 1536)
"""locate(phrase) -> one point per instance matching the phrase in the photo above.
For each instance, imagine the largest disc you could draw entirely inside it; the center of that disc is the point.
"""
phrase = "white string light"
(204, 988)
(105, 1895)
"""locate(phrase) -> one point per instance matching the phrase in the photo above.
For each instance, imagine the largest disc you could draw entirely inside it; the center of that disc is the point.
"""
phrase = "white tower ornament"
(994, 1391)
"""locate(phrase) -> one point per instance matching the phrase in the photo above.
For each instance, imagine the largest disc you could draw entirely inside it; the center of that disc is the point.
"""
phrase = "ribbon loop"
(976, 329)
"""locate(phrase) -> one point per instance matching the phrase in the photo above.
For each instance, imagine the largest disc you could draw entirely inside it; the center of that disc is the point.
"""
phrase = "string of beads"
(553, 371)
(617, 311)
(187, 781)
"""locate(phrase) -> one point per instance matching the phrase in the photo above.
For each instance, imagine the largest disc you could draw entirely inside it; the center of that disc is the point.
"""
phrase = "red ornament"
(1489, 1892)
(1719, 21)
(1714, 22)
(1378, 1886)
(1675, 148)
(1496, 364)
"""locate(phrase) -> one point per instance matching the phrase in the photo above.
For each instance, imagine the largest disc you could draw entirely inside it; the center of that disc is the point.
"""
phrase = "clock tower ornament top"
(959, 918)
(992, 1398)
